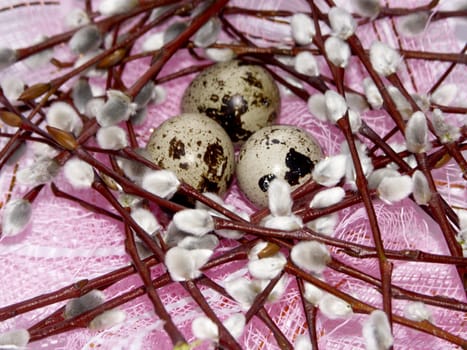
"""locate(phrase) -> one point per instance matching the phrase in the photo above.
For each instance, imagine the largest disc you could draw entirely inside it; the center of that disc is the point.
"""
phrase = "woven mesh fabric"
(66, 243)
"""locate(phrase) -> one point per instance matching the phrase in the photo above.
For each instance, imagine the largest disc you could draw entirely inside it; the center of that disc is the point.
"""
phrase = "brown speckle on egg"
(198, 150)
(280, 151)
(242, 98)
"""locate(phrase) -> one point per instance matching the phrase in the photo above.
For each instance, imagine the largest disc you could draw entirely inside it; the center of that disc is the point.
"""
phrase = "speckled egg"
(279, 151)
(197, 149)
(241, 97)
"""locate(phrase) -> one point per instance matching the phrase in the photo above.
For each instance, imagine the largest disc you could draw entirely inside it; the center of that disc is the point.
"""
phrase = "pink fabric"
(66, 243)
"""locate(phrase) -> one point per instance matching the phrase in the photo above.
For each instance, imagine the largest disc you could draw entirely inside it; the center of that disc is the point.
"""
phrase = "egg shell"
(197, 149)
(279, 151)
(241, 97)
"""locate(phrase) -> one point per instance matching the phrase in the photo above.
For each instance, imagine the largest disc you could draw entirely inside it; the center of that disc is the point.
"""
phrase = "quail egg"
(197, 149)
(241, 97)
(278, 151)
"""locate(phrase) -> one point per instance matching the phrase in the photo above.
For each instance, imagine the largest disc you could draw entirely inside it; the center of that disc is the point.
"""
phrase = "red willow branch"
(353, 249)
(174, 333)
(436, 204)
(103, 25)
(385, 266)
(360, 307)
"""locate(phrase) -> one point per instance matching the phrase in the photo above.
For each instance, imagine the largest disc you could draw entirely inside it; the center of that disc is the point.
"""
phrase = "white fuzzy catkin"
(356, 102)
(146, 220)
(81, 94)
(134, 169)
(444, 95)
(78, 173)
(86, 302)
(317, 106)
(401, 147)
(208, 33)
(422, 101)
(173, 31)
(302, 342)
(93, 107)
(378, 175)
(40, 172)
(355, 121)
(7, 57)
(324, 224)
(43, 151)
(212, 196)
(14, 339)
(413, 24)
(303, 28)
(242, 290)
(16, 216)
(280, 201)
(372, 94)
(91, 71)
(159, 94)
(446, 132)
(197, 222)
(257, 248)
(107, 319)
(337, 51)
(267, 268)
(76, 18)
(329, 171)
(310, 256)
(284, 223)
(417, 311)
(336, 106)
(421, 189)
(117, 108)
(384, 59)
(18, 153)
(333, 307)
(184, 264)
(204, 328)
(85, 40)
(462, 234)
(313, 294)
(219, 55)
(208, 241)
(277, 292)
(377, 331)
(365, 162)
(114, 7)
(327, 197)
(145, 95)
(62, 116)
(394, 189)
(153, 42)
(112, 137)
(235, 324)
(416, 134)
(367, 8)
(162, 183)
(402, 104)
(173, 236)
(12, 87)
(41, 58)
(305, 63)
(342, 22)
(233, 234)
